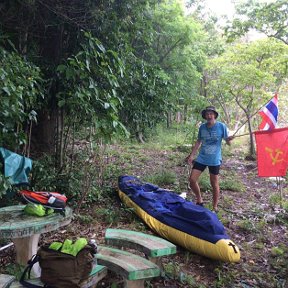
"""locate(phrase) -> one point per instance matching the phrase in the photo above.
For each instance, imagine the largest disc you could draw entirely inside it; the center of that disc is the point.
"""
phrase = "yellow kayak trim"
(224, 249)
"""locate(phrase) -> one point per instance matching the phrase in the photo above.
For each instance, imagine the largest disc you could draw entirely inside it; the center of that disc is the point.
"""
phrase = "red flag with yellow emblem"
(272, 152)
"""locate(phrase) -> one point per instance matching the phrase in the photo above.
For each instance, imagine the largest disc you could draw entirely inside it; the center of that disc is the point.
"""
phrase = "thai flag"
(269, 114)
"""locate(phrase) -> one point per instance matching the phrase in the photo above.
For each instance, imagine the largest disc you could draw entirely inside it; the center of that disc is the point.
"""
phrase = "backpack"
(52, 200)
(60, 270)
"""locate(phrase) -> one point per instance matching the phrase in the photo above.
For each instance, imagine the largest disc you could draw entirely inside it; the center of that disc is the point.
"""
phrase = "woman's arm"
(195, 148)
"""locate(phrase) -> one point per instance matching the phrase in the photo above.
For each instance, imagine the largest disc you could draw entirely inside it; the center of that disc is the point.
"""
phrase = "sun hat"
(209, 108)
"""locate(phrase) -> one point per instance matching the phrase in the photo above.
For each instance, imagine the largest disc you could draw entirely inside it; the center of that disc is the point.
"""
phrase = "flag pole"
(280, 190)
(242, 135)
(251, 117)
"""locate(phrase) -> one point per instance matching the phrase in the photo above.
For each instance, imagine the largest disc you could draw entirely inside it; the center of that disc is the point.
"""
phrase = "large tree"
(159, 46)
(248, 74)
(268, 18)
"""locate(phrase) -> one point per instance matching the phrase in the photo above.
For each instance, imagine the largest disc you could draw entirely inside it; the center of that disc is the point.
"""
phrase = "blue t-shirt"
(211, 138)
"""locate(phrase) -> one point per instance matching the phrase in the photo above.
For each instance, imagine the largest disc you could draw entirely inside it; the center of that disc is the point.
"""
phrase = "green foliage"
(277, 251)
(245, 75)
(278, 260)
(224, 278)
(162, 178)
(113, 216)
(15, 270)
(246, 225)
(110, 215)
(228, 181)
(89, 93)
(177, 134)
(20, 89)
(4, 184)
(204, 181)
(84, 219)
(173, 271)
(232, 185)
(72, 180)
(161, 68)
(145, 99)
(43, 177)
(268, 18)
(275, 199)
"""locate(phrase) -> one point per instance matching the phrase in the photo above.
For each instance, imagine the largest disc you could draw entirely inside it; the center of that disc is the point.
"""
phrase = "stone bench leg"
(26, 247)
(134, 284)
(158, 262)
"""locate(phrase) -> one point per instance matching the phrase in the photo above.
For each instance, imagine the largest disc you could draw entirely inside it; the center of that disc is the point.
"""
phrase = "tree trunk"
(44, 132)
(185, 112)
(59, 139)
(251, 146)
(169, 119)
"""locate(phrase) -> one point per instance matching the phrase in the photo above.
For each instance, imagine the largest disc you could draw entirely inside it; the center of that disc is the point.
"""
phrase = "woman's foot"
(200, 204)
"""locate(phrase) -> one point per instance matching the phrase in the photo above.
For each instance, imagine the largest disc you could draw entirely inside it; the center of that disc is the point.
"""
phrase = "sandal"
(200, 204)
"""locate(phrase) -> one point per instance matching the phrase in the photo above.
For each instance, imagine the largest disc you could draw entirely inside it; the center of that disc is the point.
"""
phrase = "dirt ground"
(252, 220)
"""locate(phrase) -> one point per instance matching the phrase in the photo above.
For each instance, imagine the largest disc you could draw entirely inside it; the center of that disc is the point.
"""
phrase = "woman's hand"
(229, 139)
(189, 159)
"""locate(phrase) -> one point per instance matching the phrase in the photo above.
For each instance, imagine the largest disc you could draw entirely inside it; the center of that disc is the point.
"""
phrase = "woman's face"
(210, 116)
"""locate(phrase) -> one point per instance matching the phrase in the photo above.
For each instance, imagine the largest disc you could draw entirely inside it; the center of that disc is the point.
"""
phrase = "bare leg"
(194, 184)
(214, 180)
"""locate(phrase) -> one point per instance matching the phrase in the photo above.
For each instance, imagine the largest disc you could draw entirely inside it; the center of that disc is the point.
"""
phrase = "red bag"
(52, 200)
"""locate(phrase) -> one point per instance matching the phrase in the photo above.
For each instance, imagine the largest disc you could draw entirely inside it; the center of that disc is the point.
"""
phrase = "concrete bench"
(6, 280)
(133, 268)
(153, 247)
(98, 273)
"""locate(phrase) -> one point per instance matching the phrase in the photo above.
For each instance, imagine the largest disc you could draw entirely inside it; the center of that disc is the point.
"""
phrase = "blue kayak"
(182, 222)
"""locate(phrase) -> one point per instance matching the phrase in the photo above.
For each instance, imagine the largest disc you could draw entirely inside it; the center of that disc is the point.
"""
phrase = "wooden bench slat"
(128, 265)
(151, 246)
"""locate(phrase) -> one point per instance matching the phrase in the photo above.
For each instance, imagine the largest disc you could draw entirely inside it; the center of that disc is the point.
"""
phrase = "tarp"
(16, 167)
(171, 209)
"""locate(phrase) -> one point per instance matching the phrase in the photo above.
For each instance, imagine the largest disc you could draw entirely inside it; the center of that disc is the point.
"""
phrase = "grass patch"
(15, 270)
(246, 225)
(275, 199)
(204, 181)
(177, 135)
(84, 219)
(162, 178)
(113, 216)
(277, 251)
(173, 270)
(232, 185)
(229, 180)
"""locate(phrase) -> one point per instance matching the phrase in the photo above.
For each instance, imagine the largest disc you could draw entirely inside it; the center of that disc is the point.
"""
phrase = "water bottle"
(51, 199)
(93, 244)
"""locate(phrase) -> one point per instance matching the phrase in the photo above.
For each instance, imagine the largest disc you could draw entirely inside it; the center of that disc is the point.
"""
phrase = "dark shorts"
(212, 169)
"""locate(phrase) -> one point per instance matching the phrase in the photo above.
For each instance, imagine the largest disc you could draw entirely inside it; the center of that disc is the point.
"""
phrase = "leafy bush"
(20, 89)
(4, 185)
(90, 82)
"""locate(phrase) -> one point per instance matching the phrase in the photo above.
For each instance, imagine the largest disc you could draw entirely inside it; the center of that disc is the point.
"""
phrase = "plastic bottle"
(93, 244)
(51, 199)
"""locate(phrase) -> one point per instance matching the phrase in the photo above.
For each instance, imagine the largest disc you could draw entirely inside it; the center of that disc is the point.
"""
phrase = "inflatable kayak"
(182, 222)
